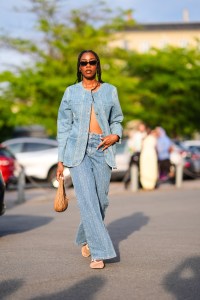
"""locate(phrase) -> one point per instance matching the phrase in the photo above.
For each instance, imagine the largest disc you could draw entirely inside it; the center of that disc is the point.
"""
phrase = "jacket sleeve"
(116, 115)
(64, 124)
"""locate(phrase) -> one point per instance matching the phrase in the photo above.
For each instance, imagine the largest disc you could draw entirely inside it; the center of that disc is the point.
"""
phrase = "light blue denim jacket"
(74, 119)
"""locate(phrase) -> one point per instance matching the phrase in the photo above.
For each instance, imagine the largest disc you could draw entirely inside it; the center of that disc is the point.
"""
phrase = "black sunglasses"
(90, 62)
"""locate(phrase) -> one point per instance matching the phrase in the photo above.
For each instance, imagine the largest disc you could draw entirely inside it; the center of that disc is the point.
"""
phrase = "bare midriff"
(94, 125)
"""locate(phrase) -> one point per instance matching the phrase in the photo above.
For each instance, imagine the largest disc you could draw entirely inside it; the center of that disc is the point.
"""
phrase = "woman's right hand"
(60, 169)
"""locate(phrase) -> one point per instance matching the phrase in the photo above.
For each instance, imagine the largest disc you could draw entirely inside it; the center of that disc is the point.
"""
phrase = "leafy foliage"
(160, 87)
(168, 88)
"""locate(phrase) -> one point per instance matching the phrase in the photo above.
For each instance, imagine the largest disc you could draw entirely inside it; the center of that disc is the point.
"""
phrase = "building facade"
(143, 37)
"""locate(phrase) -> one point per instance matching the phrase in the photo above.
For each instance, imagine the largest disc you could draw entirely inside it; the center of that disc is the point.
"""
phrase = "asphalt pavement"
(156, 236)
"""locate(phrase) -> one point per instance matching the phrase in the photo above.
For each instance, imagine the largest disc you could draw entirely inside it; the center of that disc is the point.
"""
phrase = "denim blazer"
(74, 118)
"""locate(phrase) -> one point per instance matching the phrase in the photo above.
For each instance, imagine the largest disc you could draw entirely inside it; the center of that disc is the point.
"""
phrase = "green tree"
(167, 92)
(34, 93)
(160, 87)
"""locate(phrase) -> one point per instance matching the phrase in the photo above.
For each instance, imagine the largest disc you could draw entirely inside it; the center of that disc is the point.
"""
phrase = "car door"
(37, 159)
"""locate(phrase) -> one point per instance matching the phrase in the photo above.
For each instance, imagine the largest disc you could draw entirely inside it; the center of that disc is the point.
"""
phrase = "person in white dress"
(149, 162)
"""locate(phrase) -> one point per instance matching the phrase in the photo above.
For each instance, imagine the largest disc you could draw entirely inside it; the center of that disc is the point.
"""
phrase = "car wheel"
(52, 177)
(53, 181)
(2, 209)
(68, 181)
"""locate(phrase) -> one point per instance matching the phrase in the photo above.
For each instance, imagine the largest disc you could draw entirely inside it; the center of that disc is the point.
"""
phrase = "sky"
(20, 23)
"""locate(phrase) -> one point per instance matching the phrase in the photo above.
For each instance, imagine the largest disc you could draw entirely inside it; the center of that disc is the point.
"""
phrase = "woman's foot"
(97, 264)
(85, 251)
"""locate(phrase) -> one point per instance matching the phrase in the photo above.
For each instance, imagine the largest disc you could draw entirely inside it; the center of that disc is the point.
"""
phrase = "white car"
(192, 145)
(123, 157)
(39, 157)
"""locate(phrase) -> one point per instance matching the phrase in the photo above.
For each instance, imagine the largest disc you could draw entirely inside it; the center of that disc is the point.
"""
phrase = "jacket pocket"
(70, 148)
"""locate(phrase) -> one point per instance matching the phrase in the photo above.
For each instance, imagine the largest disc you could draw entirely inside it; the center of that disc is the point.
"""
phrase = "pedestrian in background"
(89, 126)
(135, 141)
(148, 169)
(164, 147)
(135, 146)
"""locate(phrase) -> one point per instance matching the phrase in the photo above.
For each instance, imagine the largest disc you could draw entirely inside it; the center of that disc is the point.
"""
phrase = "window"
(163, 43)
(144, 46)
(6, 153)
(125, 45)
(183, 43)
(32, 147)
(16, 148)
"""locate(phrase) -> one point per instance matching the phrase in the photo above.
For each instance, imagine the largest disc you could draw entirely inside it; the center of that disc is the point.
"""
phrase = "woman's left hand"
(108, 141)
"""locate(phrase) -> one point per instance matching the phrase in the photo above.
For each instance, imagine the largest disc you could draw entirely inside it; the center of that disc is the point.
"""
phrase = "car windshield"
(16, 147)
(6, 152)
(32, 147)
(194, 148)
(180, 146)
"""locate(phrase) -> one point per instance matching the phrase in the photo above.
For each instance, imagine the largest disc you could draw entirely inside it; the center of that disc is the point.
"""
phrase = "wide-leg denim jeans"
(91, 179)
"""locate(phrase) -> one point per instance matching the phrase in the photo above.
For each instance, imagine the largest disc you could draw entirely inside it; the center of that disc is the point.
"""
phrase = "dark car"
(9, 166)
(2, 191)
(191, 160)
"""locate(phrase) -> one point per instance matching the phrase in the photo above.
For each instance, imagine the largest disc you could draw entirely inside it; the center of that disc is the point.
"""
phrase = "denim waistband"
(93, 135)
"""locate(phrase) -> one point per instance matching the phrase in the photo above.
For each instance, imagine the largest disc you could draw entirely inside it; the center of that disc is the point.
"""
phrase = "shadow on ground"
(9, 287)
(122, 228)
(85, 289)
(184, 281)
(14, 224)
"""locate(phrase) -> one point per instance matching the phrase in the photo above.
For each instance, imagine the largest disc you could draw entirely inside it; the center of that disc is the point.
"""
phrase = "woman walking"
(89, 126)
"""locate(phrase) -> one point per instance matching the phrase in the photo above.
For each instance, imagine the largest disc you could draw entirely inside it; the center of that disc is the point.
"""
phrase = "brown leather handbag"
(61, 200)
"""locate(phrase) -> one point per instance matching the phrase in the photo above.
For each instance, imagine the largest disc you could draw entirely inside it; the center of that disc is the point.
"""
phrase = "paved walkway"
(156, 236)
(41, 191)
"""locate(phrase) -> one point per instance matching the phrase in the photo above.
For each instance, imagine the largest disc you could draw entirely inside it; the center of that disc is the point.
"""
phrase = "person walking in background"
(148, 169)
(89, 126)
(164, 147)
(135, 141)
(135, 146)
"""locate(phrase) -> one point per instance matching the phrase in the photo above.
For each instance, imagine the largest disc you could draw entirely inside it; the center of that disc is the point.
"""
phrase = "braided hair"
(79, 74)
